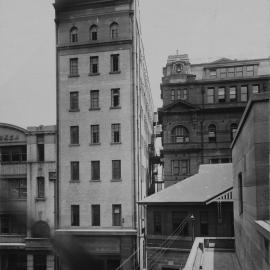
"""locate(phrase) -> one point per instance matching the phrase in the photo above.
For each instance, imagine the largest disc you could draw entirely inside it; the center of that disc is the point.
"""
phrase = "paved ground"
(219, 260)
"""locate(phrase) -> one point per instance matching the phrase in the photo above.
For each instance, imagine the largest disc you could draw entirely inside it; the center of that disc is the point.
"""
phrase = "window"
(52, 176)
(114, 30)
(74, 101)
(255, 89)
(74, 34)
(231, 72)
(239, 71)
(182, 94)
(223, 73)
(116, 169)
(116, 133)
(180, 135)
(115, 98)
(9, 224)
(13, 153)
(40, 261)
(75, 215)
(93, 32)
(240, 193)
(95, 170)
(180, 167)
(74, 135)
(233, 94)
(244, 93)
(178, 223)
(15, 188)
(94, 99)
(74, 167)
(250, 70)
(116, 214)
(172, 94)
(210, 96)
(214, 161)
(40, 187)
(115, 63)
(233, 131)
(157, 222)
(94, 65)
(95, 214)
(204, 223)
(213, 73)
(5, 224)
(212, 133)
(40, 147)
(73, 67)
(221, 94)
(94, 134)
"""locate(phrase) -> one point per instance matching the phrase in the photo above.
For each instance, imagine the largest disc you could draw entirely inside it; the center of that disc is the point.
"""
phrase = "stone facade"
(27, 181)
(250, 154)
(202, 107)
(117, 35)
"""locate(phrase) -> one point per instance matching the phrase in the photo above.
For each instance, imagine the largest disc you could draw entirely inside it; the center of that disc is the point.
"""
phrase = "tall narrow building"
(104, 120)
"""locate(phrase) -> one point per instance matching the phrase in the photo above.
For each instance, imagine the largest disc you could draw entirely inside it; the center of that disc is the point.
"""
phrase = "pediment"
(180, 106)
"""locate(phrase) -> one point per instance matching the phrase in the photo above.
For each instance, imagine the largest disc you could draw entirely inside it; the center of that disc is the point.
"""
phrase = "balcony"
(13, 170)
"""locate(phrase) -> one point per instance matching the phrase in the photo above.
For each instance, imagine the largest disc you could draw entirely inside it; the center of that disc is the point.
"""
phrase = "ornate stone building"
(202, 107)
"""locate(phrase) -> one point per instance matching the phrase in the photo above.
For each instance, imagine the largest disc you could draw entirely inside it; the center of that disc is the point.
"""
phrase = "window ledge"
(115, 72)
(116, 180)
(93, 144)
(115, 108)
(98, 180)
(74, 144)
(74, 110)
(113, 143)
(94, 109)
(40, 199)
(93, 74)
(74, 181)
(73, 76)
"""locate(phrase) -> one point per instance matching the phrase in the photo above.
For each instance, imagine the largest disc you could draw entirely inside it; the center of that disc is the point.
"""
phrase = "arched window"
(74, 34)
(40, 229)
(233, 130)
(93, 32)
(180, 135)
(212, 133)
(114, 30)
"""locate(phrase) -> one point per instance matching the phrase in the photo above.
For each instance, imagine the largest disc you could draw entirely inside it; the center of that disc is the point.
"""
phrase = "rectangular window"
(40, 147)
(231, 72)
(94, 134)
(115, 97)
(204, 223)
(73, 67)
(244, 93)
(250, 70)
(213, 73)
(94, 99)
(210, 96)
(40, 261)
(74, 101)
(182, 94)
(116, 133)
(115, 63)
(95, 214)
(157, 222)
(52, 176)
(40, 187)
(16, 188)
(178, 222)
(75, 215)
(95, 170)
(239, 71)
(180, 167)
(223, 73)
(5, 224)
(116, 169)
(221, 95)
(172, 94)
(75, 173)
(116, 214)
(255, 89)
(94, 65)
(233, 93)
(74, 135)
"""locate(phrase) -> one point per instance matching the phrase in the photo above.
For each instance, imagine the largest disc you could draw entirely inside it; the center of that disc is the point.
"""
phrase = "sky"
(204, 29)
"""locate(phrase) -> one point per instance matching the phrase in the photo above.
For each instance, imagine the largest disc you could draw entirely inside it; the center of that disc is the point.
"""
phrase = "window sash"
(94, 99)
(221, 94)
(232, 93)
(115, 97)
(74, 66)
(210, 95)
(116, 133)
(95, 170)
(94, 64)
(74, 100)
(75, 173)
(116, 212)
(172, 94)
(114, 62)
(243, 93)
(40, 187)
(94, 134)
(75, 215)
(255, 88)
(95, 215)
(74, 135)
(116, 169)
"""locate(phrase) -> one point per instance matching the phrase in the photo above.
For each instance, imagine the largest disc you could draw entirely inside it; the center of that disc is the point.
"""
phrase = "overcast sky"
(204, 29)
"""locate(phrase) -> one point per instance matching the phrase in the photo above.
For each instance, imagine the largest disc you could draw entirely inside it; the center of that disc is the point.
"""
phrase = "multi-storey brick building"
(104, 118)
(27, 189)
(202, 106)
